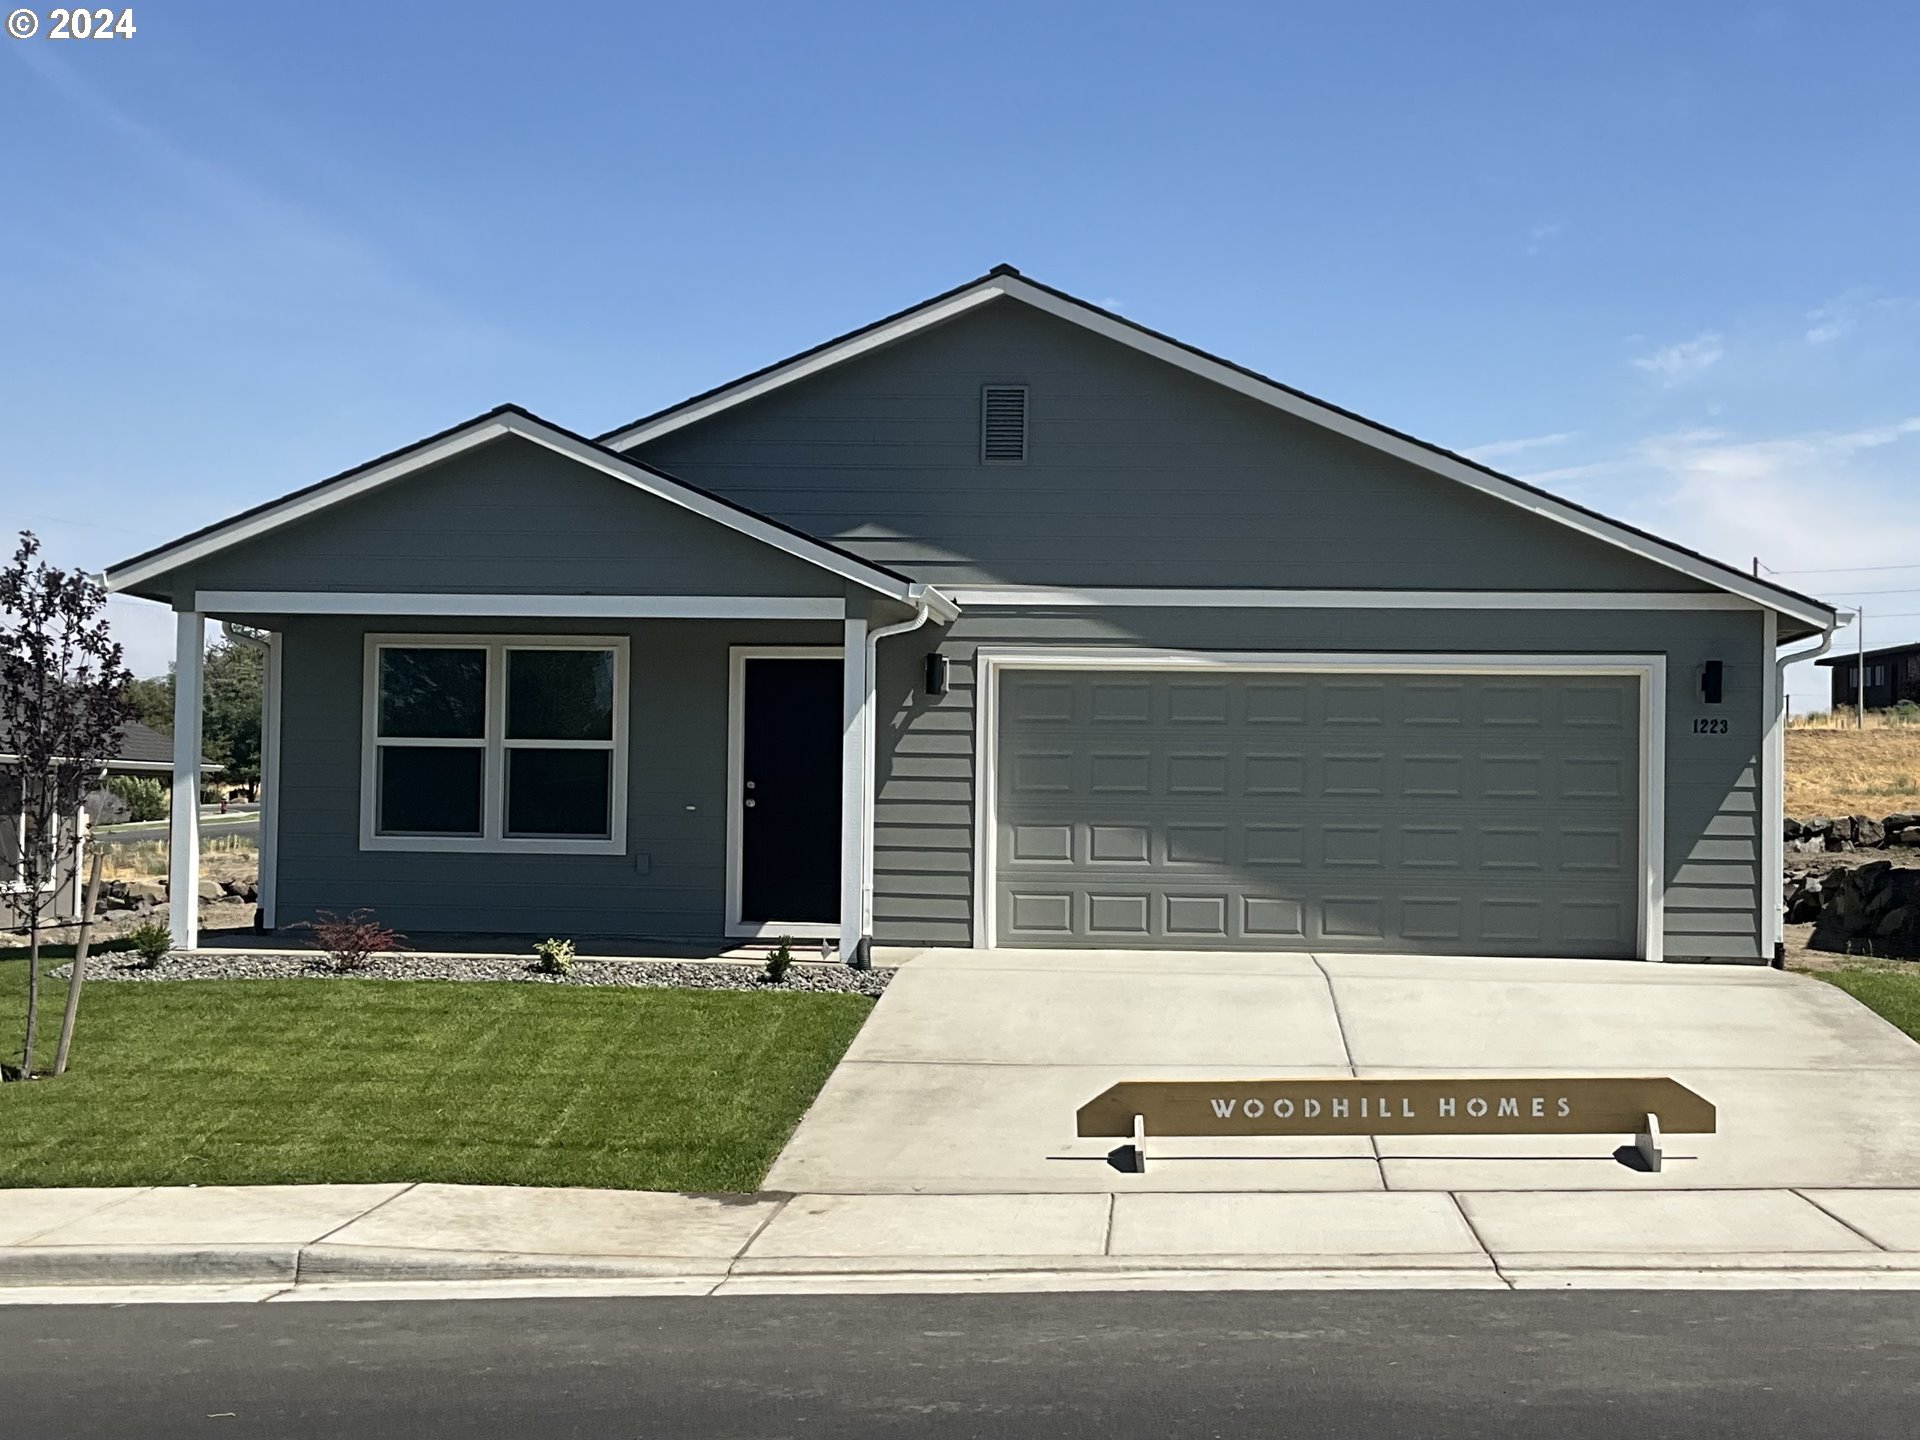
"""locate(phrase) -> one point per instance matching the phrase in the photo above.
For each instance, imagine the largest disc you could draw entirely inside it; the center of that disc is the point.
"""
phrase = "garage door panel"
(1475, 815)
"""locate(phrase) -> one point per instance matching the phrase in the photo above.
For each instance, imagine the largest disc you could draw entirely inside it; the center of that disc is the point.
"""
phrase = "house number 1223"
(1709, 726)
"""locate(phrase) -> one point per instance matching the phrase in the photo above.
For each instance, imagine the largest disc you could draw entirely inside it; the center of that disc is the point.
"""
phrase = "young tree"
(62, 709)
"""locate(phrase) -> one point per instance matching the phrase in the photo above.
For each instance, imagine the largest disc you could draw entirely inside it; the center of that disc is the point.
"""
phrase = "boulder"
(146, 892)
(1819, 825)
(1871, 910)
(210, 890)
(1840, 828)
(1792, 829)
(1901, 820)
(1907, 838)
(235, 888)
(1868, 833)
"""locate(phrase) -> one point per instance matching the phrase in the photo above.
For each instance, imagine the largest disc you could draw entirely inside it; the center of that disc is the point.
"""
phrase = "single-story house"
(1892, 675)
(1001, 621)
(142, 750)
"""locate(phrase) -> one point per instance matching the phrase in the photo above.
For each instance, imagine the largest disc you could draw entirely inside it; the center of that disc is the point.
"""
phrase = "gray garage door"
(1473, 814)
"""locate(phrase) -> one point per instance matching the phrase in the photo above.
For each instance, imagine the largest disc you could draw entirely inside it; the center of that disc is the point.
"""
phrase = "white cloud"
(1683, 361)
(1538, 236)
(1501, 448)
(1848, 312)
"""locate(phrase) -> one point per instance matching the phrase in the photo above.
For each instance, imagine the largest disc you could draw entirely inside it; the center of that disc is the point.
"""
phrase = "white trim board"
(992, 597)
(1651, 670)
(737, 928)
(523, 607)
(497, 425)
(1005, 283)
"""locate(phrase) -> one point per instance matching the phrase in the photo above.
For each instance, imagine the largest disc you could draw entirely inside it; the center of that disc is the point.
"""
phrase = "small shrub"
(779, 960)
(553, 957)
(351, 941)
(151, 941)
(144, 797)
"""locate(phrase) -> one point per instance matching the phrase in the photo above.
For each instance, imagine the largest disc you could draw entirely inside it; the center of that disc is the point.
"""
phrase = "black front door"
(790, 766)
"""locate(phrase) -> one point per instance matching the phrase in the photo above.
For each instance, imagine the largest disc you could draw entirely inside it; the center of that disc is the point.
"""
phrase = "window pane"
(430, 790)
(559, 793)
(560, 694)
(433, 694)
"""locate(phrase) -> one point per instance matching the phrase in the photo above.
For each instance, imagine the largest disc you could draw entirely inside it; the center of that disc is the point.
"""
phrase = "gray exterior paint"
(510, 517)
(1287, 810)
(924, 806)
(670, 884)
(1138, 474)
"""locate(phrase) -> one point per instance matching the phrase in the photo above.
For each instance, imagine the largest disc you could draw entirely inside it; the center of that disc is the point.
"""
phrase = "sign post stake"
(1647, 1142)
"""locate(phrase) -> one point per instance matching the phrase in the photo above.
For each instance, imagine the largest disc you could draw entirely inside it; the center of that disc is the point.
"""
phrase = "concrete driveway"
(967, 1076)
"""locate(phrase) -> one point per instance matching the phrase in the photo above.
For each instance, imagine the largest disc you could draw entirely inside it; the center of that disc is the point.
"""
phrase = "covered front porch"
(517, 685)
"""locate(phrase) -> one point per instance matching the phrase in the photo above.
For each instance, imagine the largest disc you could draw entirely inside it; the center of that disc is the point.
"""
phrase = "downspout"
(1774, 848)
(267, 880)
(862, 959)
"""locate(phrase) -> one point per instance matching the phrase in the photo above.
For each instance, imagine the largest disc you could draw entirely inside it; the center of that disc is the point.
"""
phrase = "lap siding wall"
(924, 809)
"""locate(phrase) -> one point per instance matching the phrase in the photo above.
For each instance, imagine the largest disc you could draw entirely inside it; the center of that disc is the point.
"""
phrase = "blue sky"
(1660, 258)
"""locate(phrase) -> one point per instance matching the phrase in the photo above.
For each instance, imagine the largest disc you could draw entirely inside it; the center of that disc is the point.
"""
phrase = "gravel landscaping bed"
(654, 974)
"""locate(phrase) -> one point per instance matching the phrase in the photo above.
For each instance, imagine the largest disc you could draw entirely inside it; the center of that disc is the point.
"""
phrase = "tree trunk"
(33, 995)
(79, 974)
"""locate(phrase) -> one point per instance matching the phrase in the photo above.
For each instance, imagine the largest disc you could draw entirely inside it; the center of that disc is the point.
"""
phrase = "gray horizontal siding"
(510, 517)
(923, 858)
(1138, 474)
(676, 801)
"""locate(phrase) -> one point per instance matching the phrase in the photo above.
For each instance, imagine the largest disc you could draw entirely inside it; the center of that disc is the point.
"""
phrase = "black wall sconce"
(936, 673)
(1710, 682)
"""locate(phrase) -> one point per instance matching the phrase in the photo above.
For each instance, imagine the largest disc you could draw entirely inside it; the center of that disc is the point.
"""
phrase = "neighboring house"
(1002, 621)
(142, 751)
(1893, 675)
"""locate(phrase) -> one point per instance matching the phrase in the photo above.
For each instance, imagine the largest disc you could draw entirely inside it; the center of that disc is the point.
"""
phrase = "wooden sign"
(1561, 1105)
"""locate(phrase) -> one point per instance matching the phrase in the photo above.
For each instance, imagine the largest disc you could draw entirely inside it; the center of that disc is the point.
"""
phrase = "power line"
(1839, 569)
(1908, 591)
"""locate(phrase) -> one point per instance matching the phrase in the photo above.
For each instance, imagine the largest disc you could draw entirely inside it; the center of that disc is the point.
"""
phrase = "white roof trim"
(1043, 596)
(1268, 392)
(493, 427)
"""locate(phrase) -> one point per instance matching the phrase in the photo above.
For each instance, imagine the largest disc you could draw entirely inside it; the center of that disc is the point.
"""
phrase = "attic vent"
(1003, 424)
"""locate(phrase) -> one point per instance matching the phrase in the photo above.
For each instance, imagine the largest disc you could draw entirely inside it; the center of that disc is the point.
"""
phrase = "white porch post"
(855, 717)
(270, 785)
(183, 860)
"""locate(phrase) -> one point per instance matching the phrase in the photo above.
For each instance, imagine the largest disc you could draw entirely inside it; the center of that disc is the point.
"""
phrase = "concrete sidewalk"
(274, 1240)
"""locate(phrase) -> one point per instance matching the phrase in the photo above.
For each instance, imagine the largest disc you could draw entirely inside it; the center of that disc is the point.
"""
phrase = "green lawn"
(283, 1081)
(1892, 994)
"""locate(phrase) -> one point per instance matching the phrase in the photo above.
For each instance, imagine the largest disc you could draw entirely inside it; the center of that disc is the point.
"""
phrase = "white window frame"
(493, 839)
(1649, 670)
(737, 927)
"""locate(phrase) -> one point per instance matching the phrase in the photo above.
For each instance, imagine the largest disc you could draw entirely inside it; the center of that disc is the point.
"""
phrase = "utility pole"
(1860, 670)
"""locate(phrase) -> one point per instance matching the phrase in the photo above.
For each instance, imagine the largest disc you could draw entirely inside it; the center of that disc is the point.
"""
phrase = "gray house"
(1002, 621)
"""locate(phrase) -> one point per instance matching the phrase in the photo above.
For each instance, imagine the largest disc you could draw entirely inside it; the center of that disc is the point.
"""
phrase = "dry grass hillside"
(1853, 772)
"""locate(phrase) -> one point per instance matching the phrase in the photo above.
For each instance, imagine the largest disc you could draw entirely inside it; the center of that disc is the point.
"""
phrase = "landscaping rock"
(1870, 910)
(1868, 833)
(146, 892)
(801, 978)
(211, 890)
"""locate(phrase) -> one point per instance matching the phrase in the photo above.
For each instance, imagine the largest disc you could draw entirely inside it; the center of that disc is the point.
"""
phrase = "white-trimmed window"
(513, 743)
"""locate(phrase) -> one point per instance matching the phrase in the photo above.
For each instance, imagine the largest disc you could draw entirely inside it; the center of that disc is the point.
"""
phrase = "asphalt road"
(1407, 1365)
(243, 822)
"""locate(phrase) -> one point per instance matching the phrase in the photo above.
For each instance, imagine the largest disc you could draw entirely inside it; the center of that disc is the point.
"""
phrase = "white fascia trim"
(1651, 670)
(799, 369)
(1148, 597)
(1366, 432)
(561, 443)
(520, 607)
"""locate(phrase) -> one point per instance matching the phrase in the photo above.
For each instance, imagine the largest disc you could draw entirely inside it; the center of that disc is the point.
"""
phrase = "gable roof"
(506, 420)
(1005, 282)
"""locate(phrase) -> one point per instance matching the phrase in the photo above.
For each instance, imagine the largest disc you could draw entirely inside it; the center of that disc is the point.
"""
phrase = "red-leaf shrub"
(351, 941)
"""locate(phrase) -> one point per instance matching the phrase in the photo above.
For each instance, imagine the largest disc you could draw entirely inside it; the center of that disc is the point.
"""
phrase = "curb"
(148, 1265)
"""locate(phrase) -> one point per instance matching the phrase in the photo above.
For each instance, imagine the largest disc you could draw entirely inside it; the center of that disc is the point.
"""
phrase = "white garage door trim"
(1651, 671)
